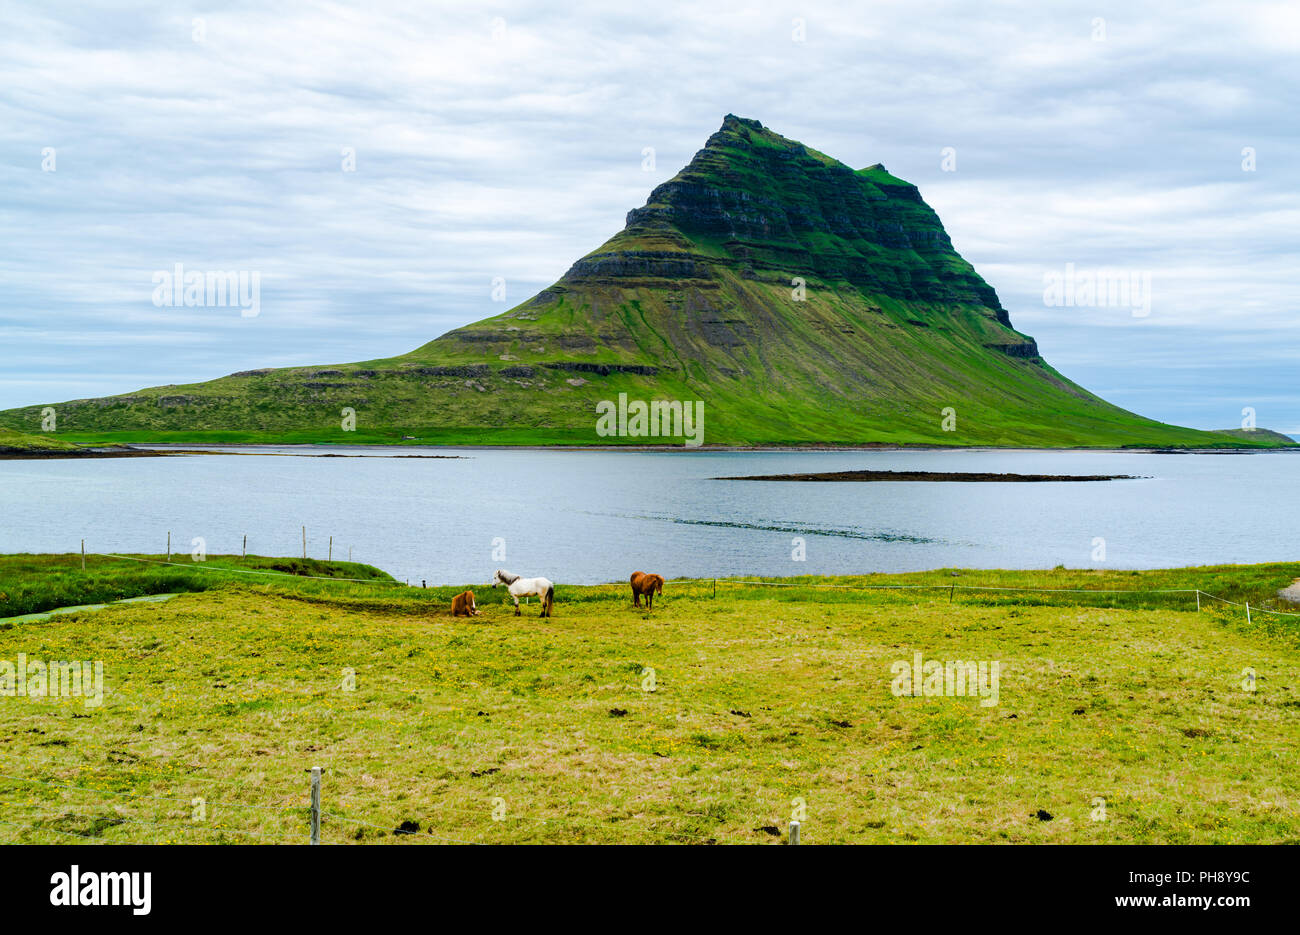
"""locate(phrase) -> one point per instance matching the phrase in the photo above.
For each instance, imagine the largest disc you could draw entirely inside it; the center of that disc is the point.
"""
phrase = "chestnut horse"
(462, 605)
(649, 585)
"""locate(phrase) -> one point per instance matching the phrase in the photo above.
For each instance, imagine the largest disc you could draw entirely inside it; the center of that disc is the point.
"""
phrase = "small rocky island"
(968, 477)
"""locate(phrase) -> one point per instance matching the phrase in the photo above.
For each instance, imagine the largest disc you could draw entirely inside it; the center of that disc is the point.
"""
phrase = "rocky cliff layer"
(757, 201)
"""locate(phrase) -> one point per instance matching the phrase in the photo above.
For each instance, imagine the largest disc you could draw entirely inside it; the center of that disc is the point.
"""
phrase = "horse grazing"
(462, 605)
(518, 587)
(649, 585)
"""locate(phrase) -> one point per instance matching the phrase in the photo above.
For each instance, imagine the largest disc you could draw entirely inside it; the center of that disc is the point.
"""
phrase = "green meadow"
(1119, 717)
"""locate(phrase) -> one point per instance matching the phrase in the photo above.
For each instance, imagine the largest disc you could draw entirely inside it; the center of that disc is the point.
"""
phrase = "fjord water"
(590, 516)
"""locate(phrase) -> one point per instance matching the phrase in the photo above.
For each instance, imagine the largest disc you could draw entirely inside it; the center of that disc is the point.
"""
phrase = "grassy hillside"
(762, 696)
(1257, 433)
(30, 584)
(12, 441)
(801, 301)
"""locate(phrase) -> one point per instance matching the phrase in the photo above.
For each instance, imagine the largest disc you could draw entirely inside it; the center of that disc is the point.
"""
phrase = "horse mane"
(506, 577)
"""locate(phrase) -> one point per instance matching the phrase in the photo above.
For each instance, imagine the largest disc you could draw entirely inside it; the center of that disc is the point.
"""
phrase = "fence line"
(156, 798)
(447, 807)
(945, 587)
(171, 822)
(234, 785)
(954, 586)
(127, 798)
(977, 587)
(70, 834)
(396, 832)
(548, 822)
(1251, 608)
(394, 829)
(951, 587)
(116, 819)
(179, 823)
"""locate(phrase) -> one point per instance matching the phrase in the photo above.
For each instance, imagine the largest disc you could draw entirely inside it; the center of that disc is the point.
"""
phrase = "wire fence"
(174, 813)
(952, 588)
(97, 810)
(749, 582)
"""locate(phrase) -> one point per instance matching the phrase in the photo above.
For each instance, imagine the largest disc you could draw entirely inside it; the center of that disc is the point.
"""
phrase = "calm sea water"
(585, 517)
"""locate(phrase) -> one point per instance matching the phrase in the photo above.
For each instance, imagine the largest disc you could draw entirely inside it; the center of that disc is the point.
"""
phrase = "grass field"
(764, 700)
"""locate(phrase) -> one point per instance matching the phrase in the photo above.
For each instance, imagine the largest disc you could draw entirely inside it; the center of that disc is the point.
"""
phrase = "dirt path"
(1292, 593)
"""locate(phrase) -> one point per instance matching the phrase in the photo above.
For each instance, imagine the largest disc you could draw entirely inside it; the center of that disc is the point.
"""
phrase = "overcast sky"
(507, 140)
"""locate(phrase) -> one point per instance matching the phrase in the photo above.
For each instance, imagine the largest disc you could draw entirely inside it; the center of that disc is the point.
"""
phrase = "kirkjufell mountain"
(802, 301)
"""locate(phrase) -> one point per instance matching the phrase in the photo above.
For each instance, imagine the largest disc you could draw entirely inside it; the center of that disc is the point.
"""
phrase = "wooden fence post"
(245, 545)
(1198, 600)
(169, 546)
(331, 558)
(1248, 611)
(794, 832)
(315, 805)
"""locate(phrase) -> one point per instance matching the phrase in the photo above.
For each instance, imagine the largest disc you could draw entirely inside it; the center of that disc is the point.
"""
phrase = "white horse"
(518, 587)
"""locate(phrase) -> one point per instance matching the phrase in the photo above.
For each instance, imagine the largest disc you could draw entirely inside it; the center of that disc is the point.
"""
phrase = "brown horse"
(649, 585)
(462, 605)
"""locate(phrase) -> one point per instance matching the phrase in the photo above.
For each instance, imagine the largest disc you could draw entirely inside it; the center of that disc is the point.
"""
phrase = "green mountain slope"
(801, 301)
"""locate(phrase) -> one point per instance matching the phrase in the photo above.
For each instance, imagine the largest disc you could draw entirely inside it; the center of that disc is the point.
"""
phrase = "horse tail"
(550, 599)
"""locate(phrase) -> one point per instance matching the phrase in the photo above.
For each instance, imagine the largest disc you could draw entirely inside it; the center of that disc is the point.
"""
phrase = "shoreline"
(201, 448)
(306, 449)
(48, 454)
(134, 452)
